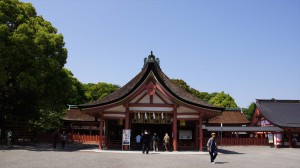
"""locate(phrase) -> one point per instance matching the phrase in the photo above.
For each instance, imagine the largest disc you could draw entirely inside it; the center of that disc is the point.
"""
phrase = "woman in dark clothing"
(146, 142)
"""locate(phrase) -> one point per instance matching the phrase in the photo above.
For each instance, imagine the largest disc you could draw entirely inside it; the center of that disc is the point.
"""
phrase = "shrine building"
(150, 101)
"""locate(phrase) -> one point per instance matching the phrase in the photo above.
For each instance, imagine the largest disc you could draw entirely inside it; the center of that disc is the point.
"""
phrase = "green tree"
(32, 58)
(99, 90)
(50, 118)
(76, 91)
(249, 111)
(201, 95)
(223, 100)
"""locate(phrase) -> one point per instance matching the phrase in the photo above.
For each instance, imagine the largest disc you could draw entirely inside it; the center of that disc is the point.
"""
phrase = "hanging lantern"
(182, 122)
(153, 116)
(139, 115)
(146, 117)
(120, 122)
(162, 115)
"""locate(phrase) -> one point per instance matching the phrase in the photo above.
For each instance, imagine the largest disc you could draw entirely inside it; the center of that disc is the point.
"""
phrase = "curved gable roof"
(138, 80)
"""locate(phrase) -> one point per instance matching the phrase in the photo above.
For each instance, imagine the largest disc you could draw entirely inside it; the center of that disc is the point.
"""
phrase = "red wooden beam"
(113, 112)
(127, 120)
(189, 119)
(175, 128)
(200, 132)
(101, 131)
(149, 105)
(113, 118)
(159, 112)
(188, 114)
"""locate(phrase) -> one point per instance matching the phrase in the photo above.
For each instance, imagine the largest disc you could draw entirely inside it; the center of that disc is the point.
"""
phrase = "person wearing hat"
(146, 142)
(212, 148)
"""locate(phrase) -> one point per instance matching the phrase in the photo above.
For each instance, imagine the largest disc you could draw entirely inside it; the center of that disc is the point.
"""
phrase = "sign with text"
(270, 138)
(185, 134)
(126, 136)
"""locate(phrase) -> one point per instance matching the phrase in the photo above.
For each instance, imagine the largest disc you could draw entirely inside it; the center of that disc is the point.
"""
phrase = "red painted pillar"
(290, 139)
(101, 131)
(200, 132)
(175, 128)
(127, 117)
(196, 133)
(127, 123)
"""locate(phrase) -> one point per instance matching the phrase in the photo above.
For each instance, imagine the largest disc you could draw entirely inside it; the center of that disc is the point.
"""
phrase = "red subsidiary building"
(284, 114)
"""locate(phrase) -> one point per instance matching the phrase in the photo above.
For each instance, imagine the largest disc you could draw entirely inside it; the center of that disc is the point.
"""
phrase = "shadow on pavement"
(42, 147)
(221, 162)
(224, 151)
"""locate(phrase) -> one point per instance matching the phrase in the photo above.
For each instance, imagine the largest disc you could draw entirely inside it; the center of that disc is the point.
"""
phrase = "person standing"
(55, 135)
(138, 140)
(63, 139)
(212, 148)
(166, 141)
(155, 140)
(9, 135)
(146, 142)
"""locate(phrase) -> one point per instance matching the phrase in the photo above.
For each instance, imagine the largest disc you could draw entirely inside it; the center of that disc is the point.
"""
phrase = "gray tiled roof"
(283, 113)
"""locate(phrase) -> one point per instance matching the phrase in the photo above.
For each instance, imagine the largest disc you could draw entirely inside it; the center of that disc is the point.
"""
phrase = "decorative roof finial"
(151, 59)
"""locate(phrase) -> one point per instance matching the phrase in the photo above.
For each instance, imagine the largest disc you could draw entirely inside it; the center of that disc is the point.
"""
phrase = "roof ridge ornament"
(151, 59)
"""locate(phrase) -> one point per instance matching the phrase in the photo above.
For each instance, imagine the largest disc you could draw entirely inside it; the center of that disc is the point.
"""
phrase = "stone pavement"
(78, 156)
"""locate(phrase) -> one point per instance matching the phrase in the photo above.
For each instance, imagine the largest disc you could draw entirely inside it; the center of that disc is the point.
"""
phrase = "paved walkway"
(78, 156)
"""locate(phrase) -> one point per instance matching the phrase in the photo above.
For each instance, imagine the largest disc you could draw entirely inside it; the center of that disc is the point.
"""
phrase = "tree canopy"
(32, 59)
(202, 95)
(223, 100)
(217, 99)
(249, 111)
(99, 90)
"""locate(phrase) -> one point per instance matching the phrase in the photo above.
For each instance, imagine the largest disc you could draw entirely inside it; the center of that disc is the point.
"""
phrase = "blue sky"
(249, 49)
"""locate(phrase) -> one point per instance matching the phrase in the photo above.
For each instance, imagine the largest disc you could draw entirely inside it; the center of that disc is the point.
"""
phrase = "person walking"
(155, 140)
(166, 141)
(138, 140)
(146, 142)
(212, 148)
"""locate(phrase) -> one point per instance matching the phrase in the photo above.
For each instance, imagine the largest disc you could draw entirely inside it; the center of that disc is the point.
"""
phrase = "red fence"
(240, 141)
(92, 139)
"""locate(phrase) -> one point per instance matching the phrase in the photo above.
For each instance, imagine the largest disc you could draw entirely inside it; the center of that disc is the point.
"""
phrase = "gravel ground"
(78, 156)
